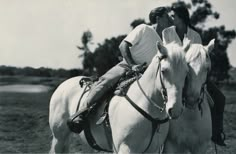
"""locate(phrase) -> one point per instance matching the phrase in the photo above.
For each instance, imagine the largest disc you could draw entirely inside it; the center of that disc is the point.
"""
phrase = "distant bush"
(41, 72)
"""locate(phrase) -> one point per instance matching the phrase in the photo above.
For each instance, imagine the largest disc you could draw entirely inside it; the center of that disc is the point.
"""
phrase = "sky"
(45, 33)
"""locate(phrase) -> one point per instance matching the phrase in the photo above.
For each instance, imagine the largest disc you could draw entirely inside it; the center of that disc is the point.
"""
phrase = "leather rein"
(198, 101)
(155, 121)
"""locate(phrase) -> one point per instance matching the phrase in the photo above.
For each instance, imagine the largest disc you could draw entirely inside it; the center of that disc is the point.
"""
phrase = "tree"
(137, 22)
(107, 55)
(88, 61)
(201, 10)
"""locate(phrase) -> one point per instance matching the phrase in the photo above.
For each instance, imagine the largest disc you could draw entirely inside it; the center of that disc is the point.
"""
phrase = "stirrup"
(77, 121)
(76, 127)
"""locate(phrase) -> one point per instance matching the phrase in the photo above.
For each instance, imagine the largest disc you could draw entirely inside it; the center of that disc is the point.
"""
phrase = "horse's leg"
(201, 148)
(58, 146)
(58, 125)
(61, 138)
(124, 149)
(170, 147)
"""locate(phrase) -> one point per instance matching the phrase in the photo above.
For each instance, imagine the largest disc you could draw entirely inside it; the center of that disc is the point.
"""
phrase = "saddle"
(119, 89)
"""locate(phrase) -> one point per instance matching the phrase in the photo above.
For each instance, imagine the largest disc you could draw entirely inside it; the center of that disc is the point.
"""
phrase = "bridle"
(163, 89)
(155, 121)
(200, 99)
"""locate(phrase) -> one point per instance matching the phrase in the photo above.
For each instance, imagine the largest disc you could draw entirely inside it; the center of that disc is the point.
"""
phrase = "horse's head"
(199, 63)
(173, 70)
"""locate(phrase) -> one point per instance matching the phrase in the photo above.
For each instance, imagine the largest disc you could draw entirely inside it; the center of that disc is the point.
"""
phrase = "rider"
(185, 34)
(137, 48)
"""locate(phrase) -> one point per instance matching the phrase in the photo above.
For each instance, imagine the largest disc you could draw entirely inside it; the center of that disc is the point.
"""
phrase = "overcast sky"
(45, 32)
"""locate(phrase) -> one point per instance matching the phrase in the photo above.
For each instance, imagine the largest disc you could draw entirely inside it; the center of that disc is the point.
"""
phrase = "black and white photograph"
(118, 76)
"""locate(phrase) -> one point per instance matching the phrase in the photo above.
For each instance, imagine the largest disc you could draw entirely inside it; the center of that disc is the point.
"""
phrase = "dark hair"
(159, 11)
(182, 12)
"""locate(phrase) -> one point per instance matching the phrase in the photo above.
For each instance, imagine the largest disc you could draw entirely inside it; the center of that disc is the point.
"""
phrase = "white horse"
(131, 131)
(192, 131)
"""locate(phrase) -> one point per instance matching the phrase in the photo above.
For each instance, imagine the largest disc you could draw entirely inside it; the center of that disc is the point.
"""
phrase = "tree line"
(41, 72)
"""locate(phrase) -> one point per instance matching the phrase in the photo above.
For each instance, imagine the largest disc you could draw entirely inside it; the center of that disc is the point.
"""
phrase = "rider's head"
(160, 17)
(181, 15)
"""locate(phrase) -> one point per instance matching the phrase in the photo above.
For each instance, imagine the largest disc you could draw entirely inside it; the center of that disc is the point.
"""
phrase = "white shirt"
(143, 39)
(169, 35)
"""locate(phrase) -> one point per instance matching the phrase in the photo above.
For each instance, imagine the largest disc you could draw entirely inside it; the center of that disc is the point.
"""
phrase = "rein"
(155, 121)
(199, 100)
(163, 89)
(150, 100)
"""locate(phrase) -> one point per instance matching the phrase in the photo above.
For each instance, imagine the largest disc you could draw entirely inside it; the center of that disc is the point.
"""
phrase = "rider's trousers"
(218, 109)
(105, 83)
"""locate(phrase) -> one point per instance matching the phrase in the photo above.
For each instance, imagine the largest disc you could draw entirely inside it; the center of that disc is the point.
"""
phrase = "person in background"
(138, 48)
(185, 33)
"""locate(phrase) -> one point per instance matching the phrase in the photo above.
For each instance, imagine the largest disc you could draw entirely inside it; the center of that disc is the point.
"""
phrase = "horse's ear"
(186, 45)
(210, 46)
(161, 48)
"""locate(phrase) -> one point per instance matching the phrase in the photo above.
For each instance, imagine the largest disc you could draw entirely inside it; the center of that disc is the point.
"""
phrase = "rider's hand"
(137, 68)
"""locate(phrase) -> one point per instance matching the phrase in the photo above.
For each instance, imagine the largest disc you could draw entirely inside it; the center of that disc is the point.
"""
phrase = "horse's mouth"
(176, 116)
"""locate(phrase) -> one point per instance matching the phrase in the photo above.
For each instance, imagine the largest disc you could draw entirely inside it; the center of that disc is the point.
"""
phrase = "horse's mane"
(176, 55)
(198, 54)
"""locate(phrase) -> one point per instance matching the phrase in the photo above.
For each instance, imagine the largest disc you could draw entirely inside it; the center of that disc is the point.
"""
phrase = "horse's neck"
(150, 84)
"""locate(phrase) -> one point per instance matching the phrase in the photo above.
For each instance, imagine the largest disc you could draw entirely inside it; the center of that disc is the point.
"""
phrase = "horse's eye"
(163, 71)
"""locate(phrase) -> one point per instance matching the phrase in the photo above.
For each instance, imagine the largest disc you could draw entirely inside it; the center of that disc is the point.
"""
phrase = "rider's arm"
(131, 40)
(125, 51)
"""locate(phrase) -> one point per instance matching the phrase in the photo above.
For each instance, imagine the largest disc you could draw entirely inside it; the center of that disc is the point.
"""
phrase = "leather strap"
(155, 126)
(91, 141)
(145, 114)
(155, 121)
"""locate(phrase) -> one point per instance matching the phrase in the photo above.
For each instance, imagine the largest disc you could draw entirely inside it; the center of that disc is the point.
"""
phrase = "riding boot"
(76, 122)
(217, 112)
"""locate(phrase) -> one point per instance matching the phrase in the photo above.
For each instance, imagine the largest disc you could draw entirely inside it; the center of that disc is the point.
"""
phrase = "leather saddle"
(119, 89)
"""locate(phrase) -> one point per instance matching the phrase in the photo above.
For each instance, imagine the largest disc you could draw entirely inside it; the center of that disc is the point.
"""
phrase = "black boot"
(217, 112)
(76, 122)
(218, 135)
(219, 138)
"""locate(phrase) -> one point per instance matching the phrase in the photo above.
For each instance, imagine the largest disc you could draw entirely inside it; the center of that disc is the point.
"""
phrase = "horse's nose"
(172, 114)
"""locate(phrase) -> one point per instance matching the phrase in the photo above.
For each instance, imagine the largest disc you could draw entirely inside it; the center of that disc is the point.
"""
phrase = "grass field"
(24, 123)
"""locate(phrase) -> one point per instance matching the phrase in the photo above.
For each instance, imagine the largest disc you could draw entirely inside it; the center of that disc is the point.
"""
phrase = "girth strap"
(155, 121)
(155, 127)
(90, 139)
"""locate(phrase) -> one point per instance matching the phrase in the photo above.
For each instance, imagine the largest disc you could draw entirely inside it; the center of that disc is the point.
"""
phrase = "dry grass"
(24, 123)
